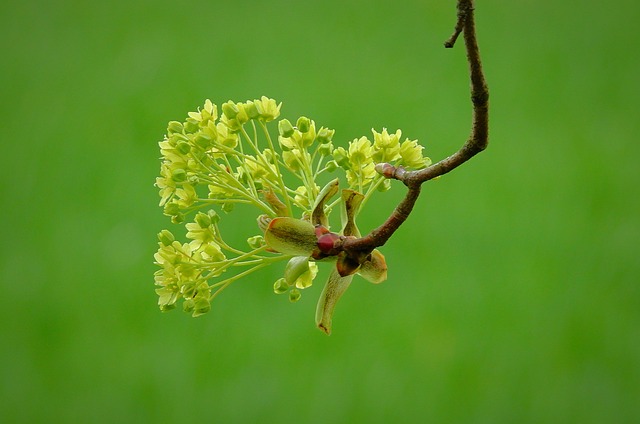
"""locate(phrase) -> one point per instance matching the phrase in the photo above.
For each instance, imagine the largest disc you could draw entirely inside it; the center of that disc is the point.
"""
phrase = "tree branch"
(477, 141)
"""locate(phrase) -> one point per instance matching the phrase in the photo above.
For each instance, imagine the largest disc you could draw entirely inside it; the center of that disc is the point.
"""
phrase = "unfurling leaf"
(351, 200)
(318, 216)
(291, 236)
(374, 269)
(346, 265)
(333, 290)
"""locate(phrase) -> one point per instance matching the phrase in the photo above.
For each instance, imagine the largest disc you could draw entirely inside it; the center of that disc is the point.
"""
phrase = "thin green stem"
(230, 262)
(225, 283)
(276, 163)
(233, 184)
(378, 179)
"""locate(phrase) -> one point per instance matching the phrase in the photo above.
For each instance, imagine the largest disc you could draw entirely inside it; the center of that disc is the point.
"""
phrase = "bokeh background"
(513, 291)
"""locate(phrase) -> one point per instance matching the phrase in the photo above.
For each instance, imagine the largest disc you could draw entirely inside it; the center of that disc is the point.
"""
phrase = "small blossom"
(268, 109)
(199, 235)
(411, 153)
(341, 157)
(187, 196)
(211, 252)
(302, 197)
(166, 237)
(325, 135)
(360, 152)
(386, 146)
(256, 241)
(280, 286)
(285, 129)
(226, 137)
(294, 295)
(166, 185)
(363, 176)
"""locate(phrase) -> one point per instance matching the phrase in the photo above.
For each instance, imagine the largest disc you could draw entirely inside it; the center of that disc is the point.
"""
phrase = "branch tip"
(389, 171)
(476, 142)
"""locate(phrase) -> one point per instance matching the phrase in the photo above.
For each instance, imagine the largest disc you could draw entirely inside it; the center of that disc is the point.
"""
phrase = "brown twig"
(476, 142)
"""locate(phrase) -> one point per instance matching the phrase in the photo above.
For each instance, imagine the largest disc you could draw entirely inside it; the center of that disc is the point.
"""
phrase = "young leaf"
(291, 236)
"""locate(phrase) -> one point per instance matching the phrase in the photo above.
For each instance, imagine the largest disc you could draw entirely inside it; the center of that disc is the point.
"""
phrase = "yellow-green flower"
(411, 153)
(199, 233)
(386, 146)
(360, 152)
(268, 109)
(187, 196)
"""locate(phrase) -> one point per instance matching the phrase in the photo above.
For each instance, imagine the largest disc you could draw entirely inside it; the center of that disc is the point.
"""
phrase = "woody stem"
(477, 141)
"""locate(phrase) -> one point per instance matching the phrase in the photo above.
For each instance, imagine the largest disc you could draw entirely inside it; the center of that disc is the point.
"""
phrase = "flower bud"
(251, 110)
(204, 141)
(327, 242)
(256, 242)
(188, 305)
(280, 286)
(325, 135)
(341, 157)
(270, 156)
(303, 124)
(228, 207)
(167, 307)
(294, 295)
(203, 220)
(331, 166)
(188, 290)
(201, 306)
(242, 115)
(230, 109)
(166, 237)
(191, 126)
(174, 127)
(179, 175)
(171, 209)
(309, 136)
(325, 149)
(285, 129)
(290, 159)
(183, 147)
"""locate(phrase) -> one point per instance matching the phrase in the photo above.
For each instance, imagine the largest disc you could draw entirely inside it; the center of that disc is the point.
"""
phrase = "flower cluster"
(359, 159)
(213, 161)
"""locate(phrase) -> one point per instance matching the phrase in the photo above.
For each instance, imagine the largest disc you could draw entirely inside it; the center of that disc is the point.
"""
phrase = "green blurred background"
(513, 291)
